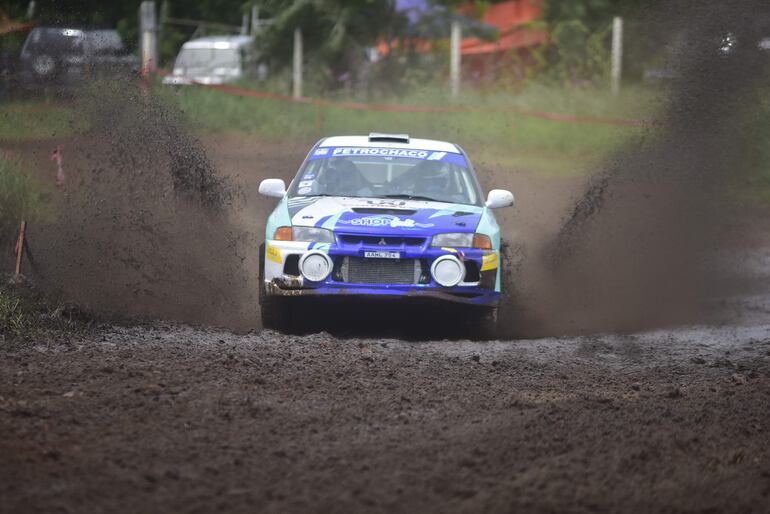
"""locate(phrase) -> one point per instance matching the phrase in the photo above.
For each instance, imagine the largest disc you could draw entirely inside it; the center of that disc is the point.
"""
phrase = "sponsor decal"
(304, 190)
(385, 221)
(308, 176)
(273, 254)
(489, 262)
(451, 250)
(383, 152)
(305, 183)
(388, 153)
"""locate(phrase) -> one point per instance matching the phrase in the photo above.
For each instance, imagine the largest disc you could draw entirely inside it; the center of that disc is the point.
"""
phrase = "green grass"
(21, 198)
(38, 121)
(26, 315)
(487, 133)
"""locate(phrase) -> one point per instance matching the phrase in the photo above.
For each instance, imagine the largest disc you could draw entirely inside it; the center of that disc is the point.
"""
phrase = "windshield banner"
(388, 153)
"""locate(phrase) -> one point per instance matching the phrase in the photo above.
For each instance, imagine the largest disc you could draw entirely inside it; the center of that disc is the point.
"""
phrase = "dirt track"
(174, 419)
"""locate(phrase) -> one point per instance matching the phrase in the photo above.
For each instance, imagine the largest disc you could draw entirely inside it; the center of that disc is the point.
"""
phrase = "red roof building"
(483, 59)
(512, 20)
(510, 53)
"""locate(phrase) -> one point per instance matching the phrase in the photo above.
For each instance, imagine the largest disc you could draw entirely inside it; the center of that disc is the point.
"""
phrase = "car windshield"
(387, 173)
(106, 42)
(207, 58)
(55, 41)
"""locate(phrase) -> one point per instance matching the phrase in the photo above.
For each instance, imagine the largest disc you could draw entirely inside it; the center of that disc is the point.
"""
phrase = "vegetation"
(487, 130)
(21, 197)
(25, 315)
(38, 120)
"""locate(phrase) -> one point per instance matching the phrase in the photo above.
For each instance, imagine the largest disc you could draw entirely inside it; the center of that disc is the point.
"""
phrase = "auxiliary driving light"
(448, 271)
(315, 266)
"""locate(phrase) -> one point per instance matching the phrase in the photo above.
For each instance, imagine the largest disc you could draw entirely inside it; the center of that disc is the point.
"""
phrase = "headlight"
(312, 235)
(453, 240)
(315, 266)
(448, 271)
(462, 240)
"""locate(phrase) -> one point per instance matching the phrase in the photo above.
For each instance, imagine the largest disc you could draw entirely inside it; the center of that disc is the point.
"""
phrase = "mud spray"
(145, 226)
(638, 249)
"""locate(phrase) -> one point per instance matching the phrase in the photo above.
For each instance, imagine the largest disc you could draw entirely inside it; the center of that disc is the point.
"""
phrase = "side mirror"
(499, 198)
(274, 187)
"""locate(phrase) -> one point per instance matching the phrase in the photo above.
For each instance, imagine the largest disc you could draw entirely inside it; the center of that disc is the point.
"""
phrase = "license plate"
(382, 255)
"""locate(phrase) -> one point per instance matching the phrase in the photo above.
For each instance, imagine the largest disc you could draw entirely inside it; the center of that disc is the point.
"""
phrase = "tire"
(485, 323)
(44, 66)
(274, 313)
(273, 310)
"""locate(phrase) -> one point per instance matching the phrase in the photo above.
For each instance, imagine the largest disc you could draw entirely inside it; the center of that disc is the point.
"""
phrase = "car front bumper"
(481, 286)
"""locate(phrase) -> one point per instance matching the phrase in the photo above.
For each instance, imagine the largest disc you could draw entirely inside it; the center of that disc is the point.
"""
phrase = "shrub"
(21, 197)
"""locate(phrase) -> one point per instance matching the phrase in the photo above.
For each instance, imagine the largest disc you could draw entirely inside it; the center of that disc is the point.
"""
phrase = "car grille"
(358, 270)
(381, 241)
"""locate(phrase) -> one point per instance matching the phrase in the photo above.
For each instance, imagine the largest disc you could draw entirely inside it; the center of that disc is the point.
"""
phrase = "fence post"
(244, 24)
(148, 30)
(20, 246)
(297, 68)
(254, 20)
(454, 59)
(617, 54)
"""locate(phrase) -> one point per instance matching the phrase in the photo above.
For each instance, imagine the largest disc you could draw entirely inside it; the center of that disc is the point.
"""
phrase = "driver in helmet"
(430, 178)
(342, 177)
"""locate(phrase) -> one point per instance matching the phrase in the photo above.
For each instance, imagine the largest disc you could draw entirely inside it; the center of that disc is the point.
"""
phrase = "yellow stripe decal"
(273, 254)
(489, 262)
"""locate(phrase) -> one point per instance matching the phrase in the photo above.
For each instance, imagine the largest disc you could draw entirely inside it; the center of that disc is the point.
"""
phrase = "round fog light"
(448, 271)
(315, 266)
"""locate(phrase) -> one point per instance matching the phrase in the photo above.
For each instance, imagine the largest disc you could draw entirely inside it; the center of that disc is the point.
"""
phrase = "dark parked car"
(61, 56)
(730, 44)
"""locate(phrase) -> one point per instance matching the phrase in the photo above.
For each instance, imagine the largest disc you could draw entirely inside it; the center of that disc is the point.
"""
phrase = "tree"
(592, 13)
(336, 33)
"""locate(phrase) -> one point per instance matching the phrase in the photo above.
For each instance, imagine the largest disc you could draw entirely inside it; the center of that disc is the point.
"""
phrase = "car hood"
(383, 216)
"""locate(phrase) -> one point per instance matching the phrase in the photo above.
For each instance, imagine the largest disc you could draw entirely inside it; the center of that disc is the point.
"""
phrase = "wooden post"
(617, 54)
(20, 246)
(148, 37)
(454, 59)
(254, 20)
(297, 68)
(245, 24)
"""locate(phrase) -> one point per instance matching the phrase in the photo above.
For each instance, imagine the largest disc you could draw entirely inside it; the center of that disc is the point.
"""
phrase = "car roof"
(222, 42)
(82, 28)
(413, 143)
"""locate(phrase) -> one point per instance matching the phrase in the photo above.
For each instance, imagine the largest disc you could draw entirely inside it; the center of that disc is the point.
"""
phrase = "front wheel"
(275, 313)
(273, 309)
(482, 323)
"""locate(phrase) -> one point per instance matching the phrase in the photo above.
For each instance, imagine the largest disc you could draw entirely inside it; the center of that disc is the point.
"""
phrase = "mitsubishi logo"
(382, 242)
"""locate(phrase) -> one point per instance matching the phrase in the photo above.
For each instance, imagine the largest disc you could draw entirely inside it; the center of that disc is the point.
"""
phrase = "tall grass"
(488, 131)
(38, 120)
(21, 197)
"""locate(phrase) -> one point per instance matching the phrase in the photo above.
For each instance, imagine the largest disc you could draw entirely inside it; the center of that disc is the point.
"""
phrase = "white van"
(214, 60)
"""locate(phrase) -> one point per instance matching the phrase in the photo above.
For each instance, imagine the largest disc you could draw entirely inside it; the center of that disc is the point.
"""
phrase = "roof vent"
(377, 137)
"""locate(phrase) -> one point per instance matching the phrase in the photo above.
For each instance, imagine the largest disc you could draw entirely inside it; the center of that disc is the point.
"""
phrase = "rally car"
(383, 216)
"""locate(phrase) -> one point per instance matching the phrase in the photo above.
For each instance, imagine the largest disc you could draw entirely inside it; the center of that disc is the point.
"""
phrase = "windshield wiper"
(411, 197)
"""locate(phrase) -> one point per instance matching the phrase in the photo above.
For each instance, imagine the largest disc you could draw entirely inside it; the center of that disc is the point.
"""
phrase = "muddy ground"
(378, 416)
(168, 418)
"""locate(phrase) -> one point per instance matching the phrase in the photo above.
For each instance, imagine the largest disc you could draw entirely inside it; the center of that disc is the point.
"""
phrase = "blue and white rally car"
(381, 216)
